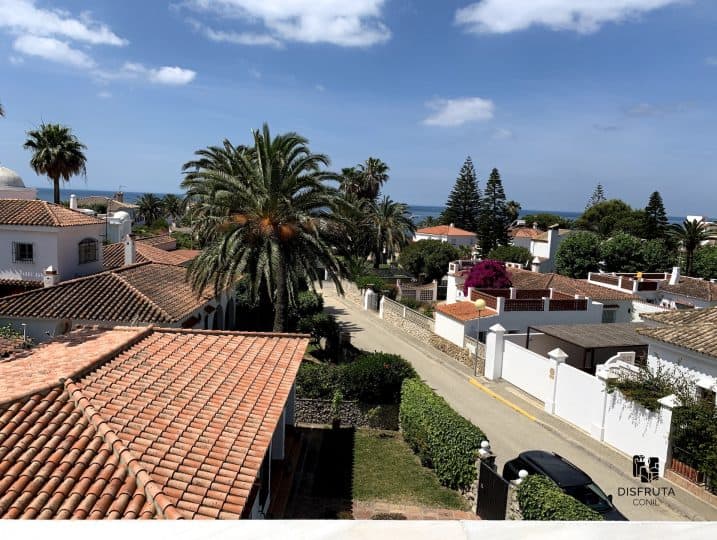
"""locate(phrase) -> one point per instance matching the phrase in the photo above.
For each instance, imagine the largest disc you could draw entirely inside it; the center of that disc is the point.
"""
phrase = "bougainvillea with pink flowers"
(488, 274)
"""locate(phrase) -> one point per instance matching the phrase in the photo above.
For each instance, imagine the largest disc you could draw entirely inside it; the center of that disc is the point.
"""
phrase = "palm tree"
(261, 212)
(391, 225)
(150, 207)
(57, 153)
(365, 180)
(173, 206)
(690, 234)
(2, 111)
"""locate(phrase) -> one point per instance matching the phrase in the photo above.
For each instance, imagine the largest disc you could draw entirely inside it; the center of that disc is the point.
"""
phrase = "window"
(608, 315)
(22, 253)
(88, 250)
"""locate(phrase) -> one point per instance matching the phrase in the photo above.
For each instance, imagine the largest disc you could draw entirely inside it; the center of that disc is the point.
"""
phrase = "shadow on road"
(338, 312)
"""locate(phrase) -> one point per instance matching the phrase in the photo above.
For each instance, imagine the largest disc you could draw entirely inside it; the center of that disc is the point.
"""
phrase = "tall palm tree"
(57, 153)
(150, 207)
(365, 180)
(261, 213)
(173, 205)
(2, 111)
(391, 225)
(690, 235)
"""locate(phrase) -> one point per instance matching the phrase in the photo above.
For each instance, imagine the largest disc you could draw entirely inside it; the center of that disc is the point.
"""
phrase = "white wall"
(578, 397)
(539, 249)
(697, 302)
(522, 241)
(449, 328)
(68, 262)
(528, 371)
(45, 252)
(634, 430)
(692, 364)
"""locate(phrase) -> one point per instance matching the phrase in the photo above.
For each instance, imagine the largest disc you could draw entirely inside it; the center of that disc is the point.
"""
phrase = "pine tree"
(598, 196)
(463, 204)
(494, 217)
(656, 222)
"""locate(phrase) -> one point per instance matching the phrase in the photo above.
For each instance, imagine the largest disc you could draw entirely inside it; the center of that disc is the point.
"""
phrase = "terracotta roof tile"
(525, 232)
(684, 316)
(699, 337)
(525, 279)
(42, 214)
(161, 424)
(113, 255)
(146, 292)
(692, 288)
(161, 241)
(464, 311)
(445, 230)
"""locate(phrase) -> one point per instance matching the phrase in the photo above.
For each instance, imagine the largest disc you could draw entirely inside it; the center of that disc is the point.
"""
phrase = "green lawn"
(385, 468)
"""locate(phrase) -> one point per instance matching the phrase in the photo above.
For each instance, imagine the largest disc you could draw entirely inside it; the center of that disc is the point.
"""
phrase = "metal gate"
(492, 494)
(373, 300)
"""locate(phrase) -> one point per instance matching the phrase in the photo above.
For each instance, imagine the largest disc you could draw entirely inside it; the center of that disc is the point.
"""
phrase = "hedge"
(370, 378)
(442, 438)
(541, 499)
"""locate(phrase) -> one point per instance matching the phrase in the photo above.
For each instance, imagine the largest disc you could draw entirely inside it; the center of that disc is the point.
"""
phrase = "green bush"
(375, 377)
(322, 326)
(317, 381)
(541, 499)
(441, 437)
(370, 378)
(374, 283)
(411, 303)
(309, 303)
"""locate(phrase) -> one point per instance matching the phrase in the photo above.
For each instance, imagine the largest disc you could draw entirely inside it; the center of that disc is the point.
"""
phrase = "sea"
(418, 212)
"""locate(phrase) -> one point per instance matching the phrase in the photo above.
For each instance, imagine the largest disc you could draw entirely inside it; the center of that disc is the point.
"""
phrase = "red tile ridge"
(153, 490)
(225, 332)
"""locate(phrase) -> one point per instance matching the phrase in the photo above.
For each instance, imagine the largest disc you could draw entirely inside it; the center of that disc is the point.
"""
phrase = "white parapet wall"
(528, 371)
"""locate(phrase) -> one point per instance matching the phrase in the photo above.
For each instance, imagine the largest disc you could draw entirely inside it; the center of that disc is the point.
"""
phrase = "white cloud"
(236, 38)
(502, 134)
(320, 88)
(24, 17)
(255, 73)
(459, 111)
(104, 94)
(711, 61)
(167, 75)
(583, 16)
(650, 109)
(348, 23)
(53, 50)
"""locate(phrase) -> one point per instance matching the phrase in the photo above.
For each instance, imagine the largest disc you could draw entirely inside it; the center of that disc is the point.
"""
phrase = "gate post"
(512, 506)
(558, 357)
(494, 347)
(485, 455)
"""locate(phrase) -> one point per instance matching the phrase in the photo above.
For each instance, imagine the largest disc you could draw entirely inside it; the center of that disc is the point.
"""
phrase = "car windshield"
(590, 495)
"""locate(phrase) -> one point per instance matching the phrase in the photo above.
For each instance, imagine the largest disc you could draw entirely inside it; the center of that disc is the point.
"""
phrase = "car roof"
(557, 468)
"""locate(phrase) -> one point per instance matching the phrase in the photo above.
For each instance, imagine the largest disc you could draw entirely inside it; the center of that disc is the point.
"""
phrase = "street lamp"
(480, 306)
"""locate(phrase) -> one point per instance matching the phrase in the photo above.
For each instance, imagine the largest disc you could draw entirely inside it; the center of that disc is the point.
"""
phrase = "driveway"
(515, 422)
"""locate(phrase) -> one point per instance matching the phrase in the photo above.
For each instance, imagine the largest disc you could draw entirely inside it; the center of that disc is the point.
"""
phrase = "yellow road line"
(501, 399)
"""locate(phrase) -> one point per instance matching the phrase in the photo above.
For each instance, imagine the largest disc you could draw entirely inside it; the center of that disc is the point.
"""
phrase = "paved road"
(510, 431)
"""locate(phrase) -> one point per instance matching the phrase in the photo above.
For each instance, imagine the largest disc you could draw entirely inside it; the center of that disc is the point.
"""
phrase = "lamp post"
(480, 306)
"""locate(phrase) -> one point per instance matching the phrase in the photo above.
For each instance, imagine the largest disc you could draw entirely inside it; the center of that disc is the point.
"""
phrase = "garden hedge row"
(370, 378)
(442, 438)
(541, 499)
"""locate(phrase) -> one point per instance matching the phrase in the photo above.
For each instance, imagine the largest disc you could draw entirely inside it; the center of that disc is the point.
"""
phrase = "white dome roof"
(10, 179)
(121, 215)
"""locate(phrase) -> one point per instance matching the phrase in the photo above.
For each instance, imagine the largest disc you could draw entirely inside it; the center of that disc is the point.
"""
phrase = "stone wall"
(353, 413)
(414, 324)
(464, 356)
(352, 293)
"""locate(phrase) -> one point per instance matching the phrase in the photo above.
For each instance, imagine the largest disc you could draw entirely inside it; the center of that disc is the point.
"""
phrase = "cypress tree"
(494, 217)
(463, 205)
(656, 222)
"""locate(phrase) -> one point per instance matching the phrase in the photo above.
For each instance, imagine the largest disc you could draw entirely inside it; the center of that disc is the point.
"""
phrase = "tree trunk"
(56, 190)
(281, 297)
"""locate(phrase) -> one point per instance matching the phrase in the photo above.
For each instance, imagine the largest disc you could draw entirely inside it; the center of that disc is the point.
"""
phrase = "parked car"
(569, 478)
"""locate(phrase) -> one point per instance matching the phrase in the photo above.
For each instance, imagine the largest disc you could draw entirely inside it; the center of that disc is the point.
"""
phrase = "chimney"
(535, 225)
(535, 266)
(73, 202)
(675, 277)
(51, 278)
(130, 250)
(119, 196)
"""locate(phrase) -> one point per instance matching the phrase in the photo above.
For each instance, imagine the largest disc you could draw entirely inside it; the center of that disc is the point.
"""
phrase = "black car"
(569, 478)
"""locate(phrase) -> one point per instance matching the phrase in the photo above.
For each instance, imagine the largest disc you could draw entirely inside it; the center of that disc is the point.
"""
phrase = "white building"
(544, 248)
(35, 235)
(12, 186)
(447, 233)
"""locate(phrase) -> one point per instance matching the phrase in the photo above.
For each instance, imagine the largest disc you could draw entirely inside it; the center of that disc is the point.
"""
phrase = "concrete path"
(515, 422)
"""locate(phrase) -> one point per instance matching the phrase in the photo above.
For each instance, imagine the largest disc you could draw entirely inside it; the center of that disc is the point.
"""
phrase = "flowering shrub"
(488, 274)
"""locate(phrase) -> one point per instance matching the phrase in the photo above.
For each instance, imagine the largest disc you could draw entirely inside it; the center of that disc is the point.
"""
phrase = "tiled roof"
(446, 230)
(11, 345)
(524, 279)
(683, 316)
(525, 232)
(543, 236)
(147, 292)
(464, 311)
(696, 336)
(113, 255)
(692, 288)
(153, 424)
(42, 214)
(161, 241)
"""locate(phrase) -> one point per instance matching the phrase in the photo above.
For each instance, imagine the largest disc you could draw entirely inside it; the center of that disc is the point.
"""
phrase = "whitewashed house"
(544, 248)
(35, 235)
(447, 233)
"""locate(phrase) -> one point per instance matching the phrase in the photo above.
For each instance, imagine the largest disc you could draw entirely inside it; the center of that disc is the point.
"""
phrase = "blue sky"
(557, 94)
